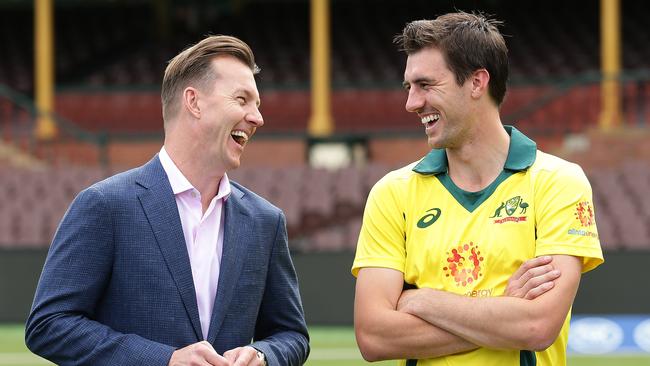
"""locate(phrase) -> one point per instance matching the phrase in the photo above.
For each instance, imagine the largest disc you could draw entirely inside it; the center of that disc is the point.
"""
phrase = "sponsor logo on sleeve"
(584, 214)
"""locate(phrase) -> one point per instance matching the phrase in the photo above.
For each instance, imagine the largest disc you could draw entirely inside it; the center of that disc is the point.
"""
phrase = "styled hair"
(193, 66)
(468, 42)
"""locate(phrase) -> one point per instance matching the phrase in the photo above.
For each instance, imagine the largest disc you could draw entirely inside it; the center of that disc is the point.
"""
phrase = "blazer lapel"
(237, 233)
(160, 208)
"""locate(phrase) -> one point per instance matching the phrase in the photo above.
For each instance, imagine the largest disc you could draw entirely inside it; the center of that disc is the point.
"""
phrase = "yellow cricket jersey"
(418, 222)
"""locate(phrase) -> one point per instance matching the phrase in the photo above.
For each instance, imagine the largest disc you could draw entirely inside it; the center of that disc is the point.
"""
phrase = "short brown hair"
(468, 42)
(194, 65)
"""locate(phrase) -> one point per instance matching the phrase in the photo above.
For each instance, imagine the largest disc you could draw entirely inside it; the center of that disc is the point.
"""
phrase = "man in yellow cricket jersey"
(457, 224)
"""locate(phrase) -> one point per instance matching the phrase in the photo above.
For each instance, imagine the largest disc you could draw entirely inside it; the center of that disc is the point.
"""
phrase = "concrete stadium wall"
(327, 287)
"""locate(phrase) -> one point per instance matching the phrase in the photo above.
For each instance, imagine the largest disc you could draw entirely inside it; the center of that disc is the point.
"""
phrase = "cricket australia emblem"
(510, 207)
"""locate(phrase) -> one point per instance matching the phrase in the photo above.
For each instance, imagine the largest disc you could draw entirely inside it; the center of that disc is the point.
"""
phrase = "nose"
(415, 100)
(255, 118)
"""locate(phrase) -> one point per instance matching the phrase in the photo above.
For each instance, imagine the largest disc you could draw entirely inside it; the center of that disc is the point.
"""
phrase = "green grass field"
(330, 346)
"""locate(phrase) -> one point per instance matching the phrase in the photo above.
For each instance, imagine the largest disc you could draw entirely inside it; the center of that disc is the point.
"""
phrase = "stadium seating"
(323, 207)
(110, 62)
(112, 44)
(549, 43)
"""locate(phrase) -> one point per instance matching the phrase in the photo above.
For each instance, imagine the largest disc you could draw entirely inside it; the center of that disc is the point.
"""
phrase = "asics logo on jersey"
(428, 219)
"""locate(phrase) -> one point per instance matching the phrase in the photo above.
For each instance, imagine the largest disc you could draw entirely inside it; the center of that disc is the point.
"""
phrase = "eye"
(241, 100)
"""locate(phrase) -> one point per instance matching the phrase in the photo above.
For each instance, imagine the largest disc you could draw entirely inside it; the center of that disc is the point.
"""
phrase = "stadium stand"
(560, 40)
(554, 58)
(323, 207)
(110, 58)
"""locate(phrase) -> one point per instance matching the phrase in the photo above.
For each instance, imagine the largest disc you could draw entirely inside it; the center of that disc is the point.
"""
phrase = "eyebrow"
(417, 81)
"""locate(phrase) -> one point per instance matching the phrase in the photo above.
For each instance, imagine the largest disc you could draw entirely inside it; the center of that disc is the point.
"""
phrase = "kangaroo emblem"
(497, 213)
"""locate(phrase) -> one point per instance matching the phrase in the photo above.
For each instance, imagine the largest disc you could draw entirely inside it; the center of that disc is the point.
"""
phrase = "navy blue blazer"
(117, 288)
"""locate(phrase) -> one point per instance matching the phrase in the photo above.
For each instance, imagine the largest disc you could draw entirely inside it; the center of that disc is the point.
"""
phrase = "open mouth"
(430, 119)
(240, 137)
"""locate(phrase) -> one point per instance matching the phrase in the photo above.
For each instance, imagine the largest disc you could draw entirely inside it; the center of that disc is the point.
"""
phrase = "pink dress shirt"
(203, 235)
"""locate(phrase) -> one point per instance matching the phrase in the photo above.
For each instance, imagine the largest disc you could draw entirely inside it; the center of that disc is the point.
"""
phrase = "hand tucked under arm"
(501, 322)
(533, 278)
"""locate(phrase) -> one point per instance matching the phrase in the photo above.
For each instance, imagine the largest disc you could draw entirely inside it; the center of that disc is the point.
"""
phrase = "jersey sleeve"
(381, 240)
(565, 217)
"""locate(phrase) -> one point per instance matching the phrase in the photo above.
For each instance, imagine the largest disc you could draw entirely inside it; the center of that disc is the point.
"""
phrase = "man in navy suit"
(171, 263)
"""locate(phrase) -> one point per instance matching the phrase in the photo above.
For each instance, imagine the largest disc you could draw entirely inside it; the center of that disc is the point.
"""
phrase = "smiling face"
(434, 94)
(228, 113)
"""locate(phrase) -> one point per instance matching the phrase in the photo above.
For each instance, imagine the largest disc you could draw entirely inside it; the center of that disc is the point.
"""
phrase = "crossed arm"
(522, 324)
(427, 323)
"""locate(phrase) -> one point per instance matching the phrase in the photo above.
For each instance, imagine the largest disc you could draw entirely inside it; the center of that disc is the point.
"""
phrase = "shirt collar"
(521, 155)
(180, 184)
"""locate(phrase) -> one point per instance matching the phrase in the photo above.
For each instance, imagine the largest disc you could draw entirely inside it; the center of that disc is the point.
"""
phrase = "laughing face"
(433, 93)
(229, 113)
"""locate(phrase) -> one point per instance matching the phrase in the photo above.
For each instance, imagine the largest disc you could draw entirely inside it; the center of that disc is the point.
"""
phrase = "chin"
(233, 164)
(434, 144)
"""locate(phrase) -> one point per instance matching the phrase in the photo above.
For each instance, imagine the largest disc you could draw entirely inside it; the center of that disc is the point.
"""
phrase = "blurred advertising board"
(603, 334)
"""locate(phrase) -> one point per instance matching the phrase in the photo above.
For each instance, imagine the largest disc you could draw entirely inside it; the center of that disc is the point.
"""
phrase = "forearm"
(384, 333)
(390, 334)
(501, 322)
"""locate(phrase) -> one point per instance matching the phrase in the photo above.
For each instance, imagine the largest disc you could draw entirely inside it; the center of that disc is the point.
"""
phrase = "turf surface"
(330, 346)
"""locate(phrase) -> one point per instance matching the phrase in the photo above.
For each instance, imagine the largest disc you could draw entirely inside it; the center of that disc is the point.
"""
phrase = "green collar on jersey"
(521, 155)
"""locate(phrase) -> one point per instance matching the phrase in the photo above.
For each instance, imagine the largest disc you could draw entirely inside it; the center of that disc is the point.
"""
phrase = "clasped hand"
(203, 354)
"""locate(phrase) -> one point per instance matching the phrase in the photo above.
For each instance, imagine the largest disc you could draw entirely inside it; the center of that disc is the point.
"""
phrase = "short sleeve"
(565, 216)
(381, 240)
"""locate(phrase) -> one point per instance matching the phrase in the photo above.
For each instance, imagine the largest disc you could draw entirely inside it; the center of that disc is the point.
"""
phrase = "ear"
(191, 101)
(480, 82)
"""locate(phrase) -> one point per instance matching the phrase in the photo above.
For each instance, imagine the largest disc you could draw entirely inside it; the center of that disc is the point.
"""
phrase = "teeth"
(239, 133)
(430, 118)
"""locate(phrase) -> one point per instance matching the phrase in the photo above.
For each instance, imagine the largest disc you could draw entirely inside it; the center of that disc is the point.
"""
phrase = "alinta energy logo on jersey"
(510, 207)
(584, 213)
(464, 264)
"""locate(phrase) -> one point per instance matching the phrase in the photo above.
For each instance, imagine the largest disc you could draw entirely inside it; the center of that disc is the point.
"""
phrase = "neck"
(198, 172)
(479, 160)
